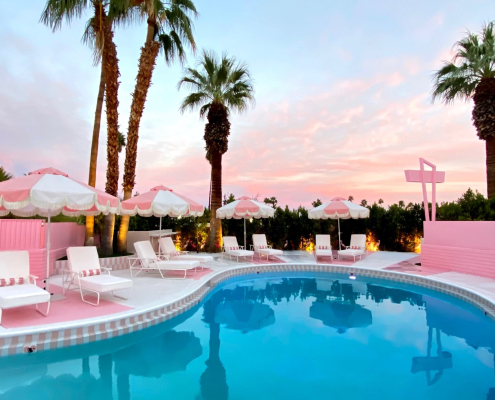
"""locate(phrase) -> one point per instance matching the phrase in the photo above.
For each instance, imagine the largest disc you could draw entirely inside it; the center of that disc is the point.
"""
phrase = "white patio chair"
(167, 249)
(323, 248)
(17, 286)
(357, 248)
(147, 260)
(261, 247)
(232, 249)
(85, 273)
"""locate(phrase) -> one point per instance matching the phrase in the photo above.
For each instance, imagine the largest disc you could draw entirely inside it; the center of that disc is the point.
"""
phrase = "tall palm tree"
(471, 75)
(218, 86)
(99, 34)
(169, 29)
(4, 175)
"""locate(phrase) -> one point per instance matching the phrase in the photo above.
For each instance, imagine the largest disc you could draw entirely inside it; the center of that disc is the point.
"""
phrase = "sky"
(343, 100)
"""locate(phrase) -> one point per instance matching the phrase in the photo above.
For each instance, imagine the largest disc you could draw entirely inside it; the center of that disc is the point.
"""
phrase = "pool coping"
(46, 337)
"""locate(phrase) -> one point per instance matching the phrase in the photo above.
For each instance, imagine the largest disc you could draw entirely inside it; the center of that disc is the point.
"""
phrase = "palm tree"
(98, 34)
(218, 86)
(4, 175)
(169, 30)
(471, 74)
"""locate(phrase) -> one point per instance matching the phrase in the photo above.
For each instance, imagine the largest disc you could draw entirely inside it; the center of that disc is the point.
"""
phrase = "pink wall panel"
(468, 234)
(66, 234)
(461, 246)
(17, 234)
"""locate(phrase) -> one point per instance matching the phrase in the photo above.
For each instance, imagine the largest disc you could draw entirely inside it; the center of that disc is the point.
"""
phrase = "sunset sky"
(342, 107)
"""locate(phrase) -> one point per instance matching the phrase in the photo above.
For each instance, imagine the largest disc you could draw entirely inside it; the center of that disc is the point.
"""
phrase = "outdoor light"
(352, 276)
(251, 220)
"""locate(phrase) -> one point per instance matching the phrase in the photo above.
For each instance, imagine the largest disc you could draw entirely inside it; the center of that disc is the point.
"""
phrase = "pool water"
(281, 337)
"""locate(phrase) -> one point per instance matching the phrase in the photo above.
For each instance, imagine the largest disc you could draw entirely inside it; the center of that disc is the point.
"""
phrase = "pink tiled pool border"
(90, 332)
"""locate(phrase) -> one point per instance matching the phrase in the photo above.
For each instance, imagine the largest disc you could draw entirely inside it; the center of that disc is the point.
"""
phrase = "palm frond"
(56, 11)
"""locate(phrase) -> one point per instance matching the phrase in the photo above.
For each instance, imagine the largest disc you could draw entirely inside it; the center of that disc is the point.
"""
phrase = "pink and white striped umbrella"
(244, 207)
(161, 201)
(339, 208)
(49, 192)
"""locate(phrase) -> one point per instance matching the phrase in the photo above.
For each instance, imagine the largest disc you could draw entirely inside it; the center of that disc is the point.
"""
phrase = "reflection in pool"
(281, 338)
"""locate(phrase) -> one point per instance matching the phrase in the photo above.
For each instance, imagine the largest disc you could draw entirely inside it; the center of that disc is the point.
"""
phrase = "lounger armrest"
(33, 278)
(183, 252)
(106, 269)
(241, 247)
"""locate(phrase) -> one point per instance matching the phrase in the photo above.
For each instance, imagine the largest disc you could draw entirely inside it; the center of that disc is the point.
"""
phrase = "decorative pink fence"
(29, 234)
(461, 246)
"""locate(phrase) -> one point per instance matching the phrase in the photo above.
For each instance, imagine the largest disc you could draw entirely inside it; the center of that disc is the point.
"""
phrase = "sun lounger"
(232, 249)
(167, 249)
(17, 287)
(357, 248)
(262, 248)
(323, 248)
(147, 260)
(85, 272)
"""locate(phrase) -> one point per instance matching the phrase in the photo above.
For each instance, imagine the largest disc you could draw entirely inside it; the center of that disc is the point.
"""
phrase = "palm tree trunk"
(149, 53)
(110, 62)
(490, 165)
(90, 220)
(215, 235)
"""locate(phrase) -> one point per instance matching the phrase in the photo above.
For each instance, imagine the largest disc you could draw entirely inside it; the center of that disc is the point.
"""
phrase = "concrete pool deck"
(155, 300)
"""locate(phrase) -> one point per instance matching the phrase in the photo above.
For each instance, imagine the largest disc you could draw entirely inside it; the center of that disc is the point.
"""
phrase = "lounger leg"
(124, 298)
(47, 309)
(89, 302)
(185, 273)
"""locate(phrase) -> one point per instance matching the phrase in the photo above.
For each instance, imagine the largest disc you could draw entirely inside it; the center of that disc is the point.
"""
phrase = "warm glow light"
(371, 243)
(417, 244)
(307, 244)
(177, 243)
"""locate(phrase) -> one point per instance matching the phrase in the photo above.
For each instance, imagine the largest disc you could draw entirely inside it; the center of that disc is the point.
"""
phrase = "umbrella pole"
(338, 221)
(47, 286)
(244, 233)
(159, 237)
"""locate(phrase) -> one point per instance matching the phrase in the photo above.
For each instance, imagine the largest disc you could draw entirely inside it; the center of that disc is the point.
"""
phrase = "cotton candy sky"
(342, 100)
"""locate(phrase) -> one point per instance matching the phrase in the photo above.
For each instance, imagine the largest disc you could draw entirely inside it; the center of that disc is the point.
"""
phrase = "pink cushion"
(13, 281)
(355, 247)
(90, 272)
(322, 247)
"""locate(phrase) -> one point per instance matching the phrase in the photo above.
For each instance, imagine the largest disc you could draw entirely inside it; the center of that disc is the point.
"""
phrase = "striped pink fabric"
(90, 272)
(13, 281)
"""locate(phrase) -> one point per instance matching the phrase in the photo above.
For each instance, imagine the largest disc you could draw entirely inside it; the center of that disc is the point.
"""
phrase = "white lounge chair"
(357, 248)
(262, 248)
(323, 248)
(232, 249)
(147, 260)
(168, 250)
(85, 272)
(17, 287)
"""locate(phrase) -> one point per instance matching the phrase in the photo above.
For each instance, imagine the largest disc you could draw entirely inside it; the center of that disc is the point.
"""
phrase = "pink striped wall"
(461, 246)
(19, 234)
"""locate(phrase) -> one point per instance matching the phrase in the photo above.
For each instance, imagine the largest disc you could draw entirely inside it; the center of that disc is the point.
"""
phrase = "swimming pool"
(291, 336)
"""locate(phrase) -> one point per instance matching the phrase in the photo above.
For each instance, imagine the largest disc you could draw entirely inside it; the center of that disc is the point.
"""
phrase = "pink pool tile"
(272, 260)
(69, 309)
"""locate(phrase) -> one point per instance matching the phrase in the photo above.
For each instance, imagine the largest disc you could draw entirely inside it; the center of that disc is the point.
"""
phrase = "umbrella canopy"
(161, 201)
(338, 208)
(48, 192)
(245, 208)
(339, 315)
(244, 315)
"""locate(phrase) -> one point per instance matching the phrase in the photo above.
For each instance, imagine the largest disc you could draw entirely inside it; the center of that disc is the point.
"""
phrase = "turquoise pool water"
(281, 337)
